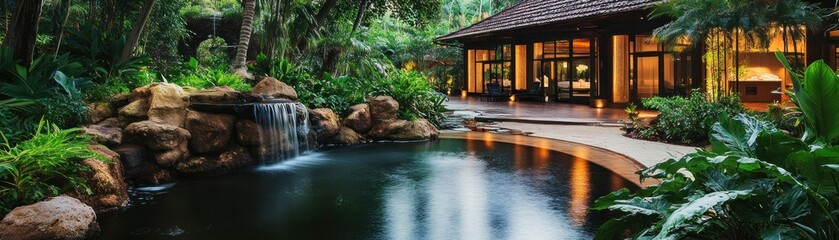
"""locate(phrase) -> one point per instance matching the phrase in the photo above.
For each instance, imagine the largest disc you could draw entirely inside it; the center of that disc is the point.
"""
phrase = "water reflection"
(448, 189)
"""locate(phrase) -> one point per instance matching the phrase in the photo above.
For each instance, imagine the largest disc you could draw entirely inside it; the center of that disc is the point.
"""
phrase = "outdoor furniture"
(494, 93)
(534, 93)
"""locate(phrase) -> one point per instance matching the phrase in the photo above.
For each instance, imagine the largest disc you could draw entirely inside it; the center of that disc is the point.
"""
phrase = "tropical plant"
(687, 120)
(43, 78)
(46, 165)
(754, 182)
(201, 78)
(416, 97)
(99, 56)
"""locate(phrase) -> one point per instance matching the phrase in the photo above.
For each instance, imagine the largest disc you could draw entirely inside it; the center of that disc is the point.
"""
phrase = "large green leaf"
(696, 208)
(738, 135)
(818, 98)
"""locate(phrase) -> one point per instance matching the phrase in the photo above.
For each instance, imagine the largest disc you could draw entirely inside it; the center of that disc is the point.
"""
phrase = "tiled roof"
(530, 13)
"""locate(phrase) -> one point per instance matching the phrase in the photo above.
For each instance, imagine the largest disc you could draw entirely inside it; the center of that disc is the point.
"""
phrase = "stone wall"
(159, 133)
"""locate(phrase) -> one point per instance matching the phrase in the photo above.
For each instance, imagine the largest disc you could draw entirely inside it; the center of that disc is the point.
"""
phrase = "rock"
(383, 108)
(99, 111)
(169, 142)
(347, 136)
(149, 174)
(105, 134)
(210, 132)
(167, 104)
(403, 130)
(131, 155)
(223, 95)
(228, 161)
(60, 217)
(157, 136)
(106, 181)
(358, 118)
(119, 100)
(324, 123)
(114, 122)
(275, 88)
(247, 132)
(138, 109)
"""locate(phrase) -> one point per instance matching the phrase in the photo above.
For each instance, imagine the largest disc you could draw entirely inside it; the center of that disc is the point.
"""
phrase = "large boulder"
(137, 110)
(383, 108)
(99, 111)
(359, 119)
(273, 87)
(167, 104)
(347, 136)
(105, 181)
(119, 100)
(404, 130)
(324, 122)
(60, 217)
(169, 142)
(105, 134)
(247, 132)
(149, 174)
(210, 132)
(223, 95)
(228, 161)
(131, 155)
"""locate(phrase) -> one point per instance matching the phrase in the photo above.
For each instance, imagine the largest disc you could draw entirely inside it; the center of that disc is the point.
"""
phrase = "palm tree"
(137, 31)
(239, 63)
(723, 23)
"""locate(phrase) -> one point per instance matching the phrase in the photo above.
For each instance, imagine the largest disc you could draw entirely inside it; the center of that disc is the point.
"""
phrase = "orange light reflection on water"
(580, 190)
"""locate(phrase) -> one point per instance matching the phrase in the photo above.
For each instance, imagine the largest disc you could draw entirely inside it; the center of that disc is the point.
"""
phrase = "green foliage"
(416, 97)
(688, 120)
(46, 165)
(15, 121)
(99, 53)
(755, 181)
(63, 111)
(211, 52)
(198, 77)
(43, 78)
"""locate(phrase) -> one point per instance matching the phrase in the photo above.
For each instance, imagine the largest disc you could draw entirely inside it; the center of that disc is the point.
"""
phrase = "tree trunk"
(137, 31)
(67, 5)
(360, 16)
(23, 30)
(320, 18)
(239, 62)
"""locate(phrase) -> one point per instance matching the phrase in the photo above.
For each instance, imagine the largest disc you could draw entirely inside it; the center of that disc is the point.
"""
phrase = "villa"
(601, 53)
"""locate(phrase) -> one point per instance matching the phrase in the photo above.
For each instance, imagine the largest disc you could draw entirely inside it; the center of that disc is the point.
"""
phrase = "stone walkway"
(539, 112)
(568, 122)
(645, 152)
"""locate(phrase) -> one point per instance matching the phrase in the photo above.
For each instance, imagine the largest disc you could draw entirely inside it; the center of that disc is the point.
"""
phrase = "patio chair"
(534, 93)
(494, 93)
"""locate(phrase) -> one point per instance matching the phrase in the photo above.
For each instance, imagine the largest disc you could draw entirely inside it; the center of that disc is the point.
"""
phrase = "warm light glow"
(599, 103)
(580, 191)
(521, 67)
(513, 98)
(620, 66)
(463, 93)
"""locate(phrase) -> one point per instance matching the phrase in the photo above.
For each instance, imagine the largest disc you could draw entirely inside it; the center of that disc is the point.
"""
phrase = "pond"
(444, 189)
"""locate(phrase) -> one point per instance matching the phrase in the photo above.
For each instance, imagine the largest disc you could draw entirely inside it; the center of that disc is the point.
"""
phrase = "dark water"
(446, 189)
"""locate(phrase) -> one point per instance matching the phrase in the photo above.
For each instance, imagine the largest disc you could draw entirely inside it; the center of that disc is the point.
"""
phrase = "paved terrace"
(539, 112)
(570, 122)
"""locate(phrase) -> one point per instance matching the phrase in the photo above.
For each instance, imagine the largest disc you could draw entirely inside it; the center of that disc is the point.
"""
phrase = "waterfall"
(283, 131)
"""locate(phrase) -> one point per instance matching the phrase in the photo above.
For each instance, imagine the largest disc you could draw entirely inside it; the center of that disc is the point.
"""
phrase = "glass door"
(563, 81)
(648, 73)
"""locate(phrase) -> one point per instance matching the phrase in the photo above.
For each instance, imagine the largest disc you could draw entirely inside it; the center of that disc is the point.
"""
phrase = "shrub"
(416, 96)
(193, 75)
(15, 121)
(64, 111)
(755, 181)
(688, 120)
(46, 165)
